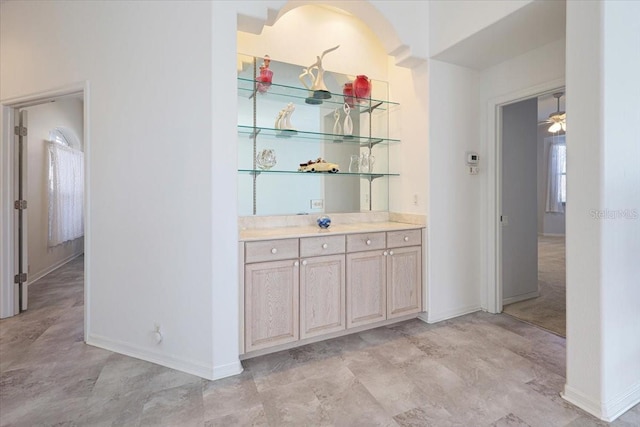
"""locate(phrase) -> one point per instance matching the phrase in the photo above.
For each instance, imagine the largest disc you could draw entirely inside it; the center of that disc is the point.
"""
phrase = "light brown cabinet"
(308, 287)
(404, 280)
(322, 295)
(271, 304)
(366, 288)
(385, 283)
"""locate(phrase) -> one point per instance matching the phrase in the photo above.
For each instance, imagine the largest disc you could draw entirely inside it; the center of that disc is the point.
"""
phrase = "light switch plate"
(317, 203)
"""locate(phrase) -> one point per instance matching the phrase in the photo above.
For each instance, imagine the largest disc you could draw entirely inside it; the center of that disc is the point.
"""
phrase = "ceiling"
(530, 27)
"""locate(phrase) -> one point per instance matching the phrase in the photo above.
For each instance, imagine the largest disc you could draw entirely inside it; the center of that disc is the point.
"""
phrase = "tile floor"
(476, 370)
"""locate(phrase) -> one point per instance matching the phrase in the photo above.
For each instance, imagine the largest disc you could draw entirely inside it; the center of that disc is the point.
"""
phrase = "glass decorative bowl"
(266, 159)
(324, 222)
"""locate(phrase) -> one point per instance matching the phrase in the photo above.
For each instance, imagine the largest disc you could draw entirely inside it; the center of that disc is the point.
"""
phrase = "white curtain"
(556, 177)
(66, 193)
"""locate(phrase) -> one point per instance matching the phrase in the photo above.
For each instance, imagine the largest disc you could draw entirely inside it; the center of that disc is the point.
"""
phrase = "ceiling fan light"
(564, 126)
(555, 127)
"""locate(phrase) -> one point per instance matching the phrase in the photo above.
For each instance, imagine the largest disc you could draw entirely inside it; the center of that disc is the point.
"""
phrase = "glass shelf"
(318, 123)
(318, 174)
(299, 95)
(363, 141)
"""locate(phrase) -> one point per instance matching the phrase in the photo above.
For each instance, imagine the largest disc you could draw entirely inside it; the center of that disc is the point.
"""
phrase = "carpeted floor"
(547, 311)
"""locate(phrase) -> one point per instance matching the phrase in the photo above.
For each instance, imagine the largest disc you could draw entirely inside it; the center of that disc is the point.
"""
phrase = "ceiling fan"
(557, 120)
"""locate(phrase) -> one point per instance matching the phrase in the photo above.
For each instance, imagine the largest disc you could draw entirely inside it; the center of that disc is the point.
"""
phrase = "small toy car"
(319, 165)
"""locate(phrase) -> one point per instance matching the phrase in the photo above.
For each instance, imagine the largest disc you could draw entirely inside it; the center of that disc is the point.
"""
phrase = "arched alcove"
(254, 20)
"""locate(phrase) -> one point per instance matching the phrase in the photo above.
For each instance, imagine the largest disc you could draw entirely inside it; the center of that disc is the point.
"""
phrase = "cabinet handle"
(385, 253)
(304, 262)
(368, 242)
(406, 238)
(390, 252)
(274, 251)
(325, 246)
(296, 263)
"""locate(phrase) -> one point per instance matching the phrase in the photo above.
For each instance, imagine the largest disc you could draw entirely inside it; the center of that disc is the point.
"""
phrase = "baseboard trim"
(57, 265)
(582, 401)
(228, 370)
(613, 408)
(607, 411)
(519, 298)
(450, 314)
(189, 366)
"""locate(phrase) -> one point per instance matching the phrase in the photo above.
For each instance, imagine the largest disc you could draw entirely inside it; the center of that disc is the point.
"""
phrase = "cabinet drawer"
(324, 245)
(365, 242)
(271, 250)
(398, 239)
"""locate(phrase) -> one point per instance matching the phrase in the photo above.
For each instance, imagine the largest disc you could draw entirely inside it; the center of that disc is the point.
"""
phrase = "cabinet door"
(322, 295)
(404, 281)
(271, 303)
(366, 288)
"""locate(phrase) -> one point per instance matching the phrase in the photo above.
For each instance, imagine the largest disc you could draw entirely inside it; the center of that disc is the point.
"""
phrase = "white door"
(20, 216)
(519, 201)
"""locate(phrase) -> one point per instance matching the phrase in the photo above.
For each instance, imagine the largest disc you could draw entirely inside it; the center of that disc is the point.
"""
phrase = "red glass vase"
(347, 91)
(362, 87)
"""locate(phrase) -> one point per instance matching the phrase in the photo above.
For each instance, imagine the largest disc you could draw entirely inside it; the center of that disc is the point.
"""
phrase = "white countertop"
(314, 231)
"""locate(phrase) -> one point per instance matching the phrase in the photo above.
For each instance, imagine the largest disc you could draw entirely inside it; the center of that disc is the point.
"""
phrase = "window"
(66, 187)
(557, 174)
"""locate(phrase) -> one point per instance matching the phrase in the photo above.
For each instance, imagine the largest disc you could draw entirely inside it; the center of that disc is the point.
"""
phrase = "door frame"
(493, 227)
(9, 108)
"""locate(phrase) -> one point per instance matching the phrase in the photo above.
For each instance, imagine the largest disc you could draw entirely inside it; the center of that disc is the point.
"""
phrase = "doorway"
(533, 196)
(54, 123)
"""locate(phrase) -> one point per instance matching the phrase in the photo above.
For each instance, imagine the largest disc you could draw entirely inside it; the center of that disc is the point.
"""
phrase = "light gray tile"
(229, 395)
(292, 404)
(510, 420)
(250, 416)
(345, 401)
(175, 406)
(428, 416)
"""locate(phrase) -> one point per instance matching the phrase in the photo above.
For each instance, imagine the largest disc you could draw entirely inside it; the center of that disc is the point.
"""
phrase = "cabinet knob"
(390, 252)
(296, 263)
(304, 262)
(274, 251)
(325, 246)
(406, 238)
(385, 253)
(368, 242)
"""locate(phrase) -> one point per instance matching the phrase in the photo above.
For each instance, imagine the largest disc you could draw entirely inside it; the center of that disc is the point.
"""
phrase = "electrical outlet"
(317, 203)
(473, 170)
(415, 200)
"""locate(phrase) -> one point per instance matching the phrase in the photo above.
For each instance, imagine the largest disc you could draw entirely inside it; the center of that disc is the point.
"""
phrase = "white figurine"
(348, 123)
(278, 124)
(286, 117)
(317, 85)
(337, 129)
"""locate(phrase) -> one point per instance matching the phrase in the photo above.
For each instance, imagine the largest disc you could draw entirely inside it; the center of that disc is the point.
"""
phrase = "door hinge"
(20, 204)
(20, 278)
(21, 130)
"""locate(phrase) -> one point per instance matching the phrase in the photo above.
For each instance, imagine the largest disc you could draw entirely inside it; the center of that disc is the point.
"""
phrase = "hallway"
(476, 370)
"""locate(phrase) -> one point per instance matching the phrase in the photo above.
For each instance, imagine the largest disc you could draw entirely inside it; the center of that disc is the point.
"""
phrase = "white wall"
(149, 230)
(621, 237)
(603, 207)
(67, 113)
(519, 201)
(454, 196)
(453, 21)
